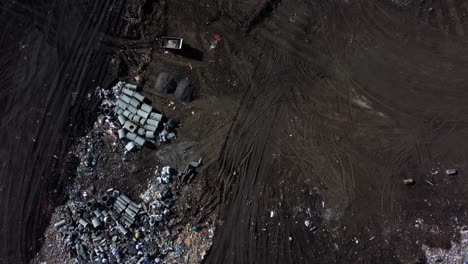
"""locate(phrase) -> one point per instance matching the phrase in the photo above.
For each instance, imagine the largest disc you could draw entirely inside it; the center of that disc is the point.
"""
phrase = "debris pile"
(192, 244)
(458, 252)
(108, 226)
(112, 228)
(136, 122)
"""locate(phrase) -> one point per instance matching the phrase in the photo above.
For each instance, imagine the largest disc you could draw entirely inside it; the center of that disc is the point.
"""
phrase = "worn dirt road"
(52, 54)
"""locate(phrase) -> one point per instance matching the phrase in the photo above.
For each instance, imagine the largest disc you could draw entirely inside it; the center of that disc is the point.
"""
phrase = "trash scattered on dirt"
(214, 42)
(458, 252)
(111, 227)
(451, 172)
(409, 182)
(107, 226)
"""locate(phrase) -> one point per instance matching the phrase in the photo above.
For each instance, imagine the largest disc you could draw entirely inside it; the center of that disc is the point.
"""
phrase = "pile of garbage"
(458, 252)
(112, 228)
(136, 122)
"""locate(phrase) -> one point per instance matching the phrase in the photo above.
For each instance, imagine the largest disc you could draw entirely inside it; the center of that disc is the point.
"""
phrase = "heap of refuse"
(109, 228)
(136, 120)
(112, 228)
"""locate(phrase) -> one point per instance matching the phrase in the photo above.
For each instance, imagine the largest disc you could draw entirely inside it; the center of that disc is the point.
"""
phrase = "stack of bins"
(137, 118)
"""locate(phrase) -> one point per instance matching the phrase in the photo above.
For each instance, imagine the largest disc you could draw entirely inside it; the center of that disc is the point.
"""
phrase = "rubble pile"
(109, 229)
(458, 252)
(108, 226)
(135, 121)
(112, 228)
(192, 244)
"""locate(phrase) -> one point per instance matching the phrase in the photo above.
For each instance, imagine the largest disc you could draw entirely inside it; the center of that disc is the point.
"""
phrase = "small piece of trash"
(356, 240)
(451, 171)
(272, 214)
(408, 182)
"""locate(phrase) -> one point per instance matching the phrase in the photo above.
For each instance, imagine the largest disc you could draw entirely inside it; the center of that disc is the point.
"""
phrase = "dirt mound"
(165, 83)
(185, 90)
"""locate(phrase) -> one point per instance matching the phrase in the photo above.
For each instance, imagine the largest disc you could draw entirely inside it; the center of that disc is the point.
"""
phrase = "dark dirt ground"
(312, 110)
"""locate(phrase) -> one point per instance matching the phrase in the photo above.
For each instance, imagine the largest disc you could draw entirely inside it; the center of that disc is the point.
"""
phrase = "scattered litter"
(409, 182)
(430, 183)
(214, 42)
(110, 227)
(451, 172)
(458, 252)
(356, 240)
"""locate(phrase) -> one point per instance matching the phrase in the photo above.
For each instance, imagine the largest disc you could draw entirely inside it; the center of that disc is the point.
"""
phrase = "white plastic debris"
(451, 171)
(163, 176)
(196, 164)
(408, 181)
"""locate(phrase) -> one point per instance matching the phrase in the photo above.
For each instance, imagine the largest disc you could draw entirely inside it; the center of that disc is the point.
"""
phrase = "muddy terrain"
(309, 115)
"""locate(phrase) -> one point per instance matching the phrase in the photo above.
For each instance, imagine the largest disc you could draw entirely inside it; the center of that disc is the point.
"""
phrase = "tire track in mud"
(351, 46)
(249, 180)
(57, 65)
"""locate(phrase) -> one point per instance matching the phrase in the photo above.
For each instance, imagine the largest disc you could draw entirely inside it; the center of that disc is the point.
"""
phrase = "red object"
(217, 36)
